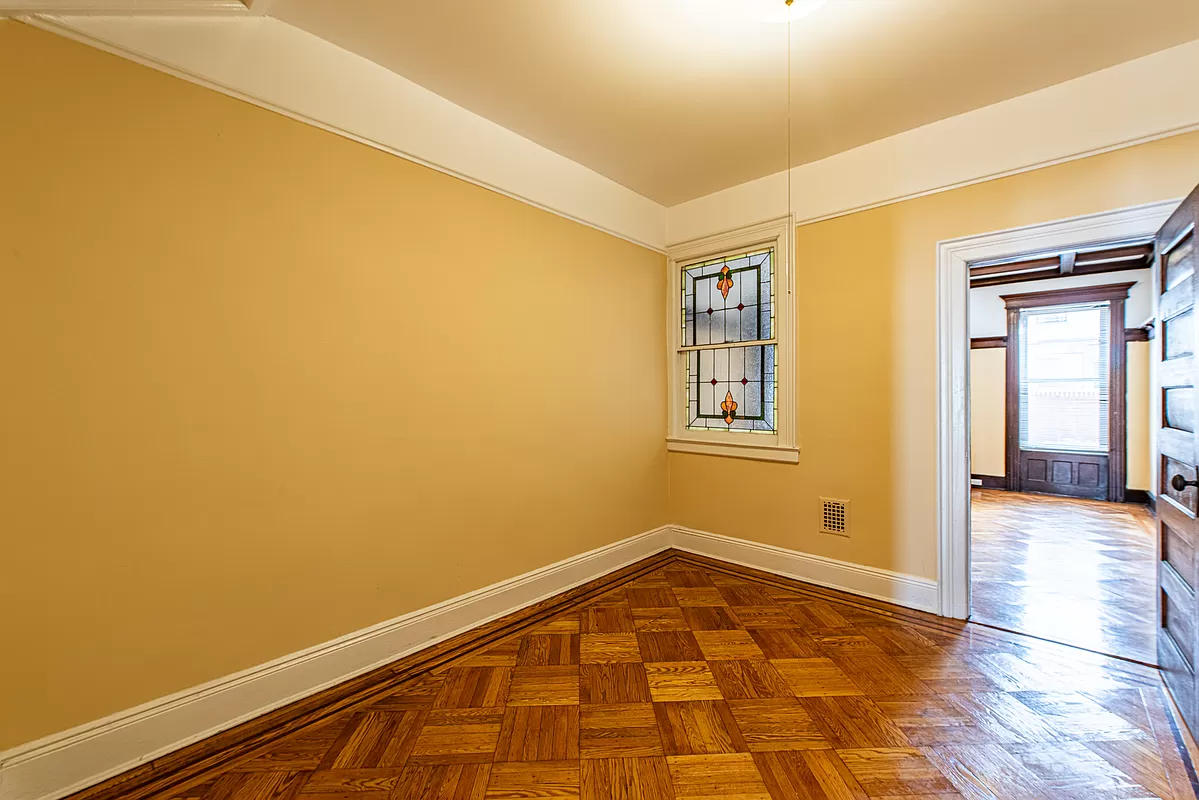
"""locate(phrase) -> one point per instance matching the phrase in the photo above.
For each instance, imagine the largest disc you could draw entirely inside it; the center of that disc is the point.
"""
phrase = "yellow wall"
(867, 395)
(1139, 417)
(264, 386)
(988, 381)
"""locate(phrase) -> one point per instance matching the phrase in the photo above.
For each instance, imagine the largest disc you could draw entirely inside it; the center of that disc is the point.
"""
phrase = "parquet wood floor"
(1081, 572)
(701, 680)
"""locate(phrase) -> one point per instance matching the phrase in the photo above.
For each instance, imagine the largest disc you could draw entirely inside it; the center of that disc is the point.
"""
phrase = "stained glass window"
(728, 338)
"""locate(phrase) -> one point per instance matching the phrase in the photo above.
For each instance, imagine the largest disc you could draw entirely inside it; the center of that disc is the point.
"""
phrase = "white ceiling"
(676, 99)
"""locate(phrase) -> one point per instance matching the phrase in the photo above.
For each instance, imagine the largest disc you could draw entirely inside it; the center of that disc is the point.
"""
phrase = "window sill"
(755, 452)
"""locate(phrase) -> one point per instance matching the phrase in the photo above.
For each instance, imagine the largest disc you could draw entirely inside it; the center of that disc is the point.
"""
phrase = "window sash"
(1065, 368)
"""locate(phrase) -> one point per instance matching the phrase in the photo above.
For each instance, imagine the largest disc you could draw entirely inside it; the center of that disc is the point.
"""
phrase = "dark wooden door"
(1178, 531)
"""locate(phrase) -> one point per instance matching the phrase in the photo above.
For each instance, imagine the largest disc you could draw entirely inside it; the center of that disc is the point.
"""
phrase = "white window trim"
(781, 446)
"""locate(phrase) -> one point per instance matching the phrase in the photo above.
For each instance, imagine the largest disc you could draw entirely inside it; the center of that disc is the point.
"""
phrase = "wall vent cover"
(834, 516)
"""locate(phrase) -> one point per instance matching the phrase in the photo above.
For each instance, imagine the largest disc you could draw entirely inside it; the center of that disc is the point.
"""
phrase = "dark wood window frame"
(1117, 446)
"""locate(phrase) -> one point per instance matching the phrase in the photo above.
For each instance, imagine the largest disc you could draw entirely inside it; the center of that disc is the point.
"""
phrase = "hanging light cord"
(791, 242)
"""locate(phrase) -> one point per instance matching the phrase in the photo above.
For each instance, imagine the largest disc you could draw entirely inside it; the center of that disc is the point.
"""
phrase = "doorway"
(1056, 551)
(957, 345)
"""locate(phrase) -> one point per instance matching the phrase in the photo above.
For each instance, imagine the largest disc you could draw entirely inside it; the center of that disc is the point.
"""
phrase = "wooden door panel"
(1177, 527)
(1070, 474)
(1177, 372)
(1178, 543)
(1175, 445)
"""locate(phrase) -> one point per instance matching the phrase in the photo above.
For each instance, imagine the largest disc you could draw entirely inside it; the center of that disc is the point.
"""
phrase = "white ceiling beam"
(113, 8)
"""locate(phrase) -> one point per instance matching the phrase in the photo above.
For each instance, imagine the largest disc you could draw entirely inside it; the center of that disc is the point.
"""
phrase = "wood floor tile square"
(375, 739)
(687, 578)
(417, 693)
(544, 686)
(700, 596)
(746, 594)
(816, 774)
(671, 681)
(651, 598)
(669, 646)
(749, 680)
(659, 619)
(723, 777)
(303, 752)
(615, 597)
(474, 687)
(264, 786)
(786, 643)
(929, 720)
(607, 619)
(619, 731)
(710, 618)
(880, 675)
(564, 624)
(853, 722)
(604, 648)
(519, 781)
(947, 674)
(656, 580)
(645, 778)
(698, 727)
(900, 640)
(814, 677)
(725, 579)
(539, 733)
(548, 649)
(816, 615)
(763, 617)
(894, 771)
(458, 736)
(500, 655)
(1078, 717)
(728, 644)
(991, 766)
(1004, 717)
(361, 784)
(1071, 769)
(443, 782)
(613, 683)
(776, 724)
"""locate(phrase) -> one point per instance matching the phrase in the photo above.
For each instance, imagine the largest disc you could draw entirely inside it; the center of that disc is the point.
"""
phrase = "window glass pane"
(728, 299)
(732, 388)
(1064, 358)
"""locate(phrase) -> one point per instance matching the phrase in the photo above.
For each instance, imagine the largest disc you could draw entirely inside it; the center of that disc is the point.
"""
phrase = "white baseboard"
(909, 591)
(66, 762)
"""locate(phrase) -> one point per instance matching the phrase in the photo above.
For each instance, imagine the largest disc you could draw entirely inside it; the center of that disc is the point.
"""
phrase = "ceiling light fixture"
(774, 11)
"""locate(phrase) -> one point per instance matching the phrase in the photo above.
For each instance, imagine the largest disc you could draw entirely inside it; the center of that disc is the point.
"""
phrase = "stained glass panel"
(732, 388)
(729, 299)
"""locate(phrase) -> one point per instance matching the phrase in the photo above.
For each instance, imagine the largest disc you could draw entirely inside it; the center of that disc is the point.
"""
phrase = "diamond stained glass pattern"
(725, 301)
(729, 300)
(739, 380)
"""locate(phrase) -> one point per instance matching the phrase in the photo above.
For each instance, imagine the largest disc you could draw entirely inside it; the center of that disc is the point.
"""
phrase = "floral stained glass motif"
(727, 301)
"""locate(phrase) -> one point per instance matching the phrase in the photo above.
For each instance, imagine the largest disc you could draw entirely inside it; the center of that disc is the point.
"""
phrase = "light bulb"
(777, 10)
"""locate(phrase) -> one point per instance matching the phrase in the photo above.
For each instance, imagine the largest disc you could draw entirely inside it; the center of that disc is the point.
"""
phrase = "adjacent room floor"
(1081, 572)
(696, 681)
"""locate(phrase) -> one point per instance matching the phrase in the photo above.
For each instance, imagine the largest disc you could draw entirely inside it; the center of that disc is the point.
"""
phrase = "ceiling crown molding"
(123, 7)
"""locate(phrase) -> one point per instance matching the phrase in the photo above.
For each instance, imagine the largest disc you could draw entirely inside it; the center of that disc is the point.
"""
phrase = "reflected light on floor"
(1080, 572)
